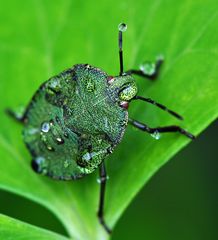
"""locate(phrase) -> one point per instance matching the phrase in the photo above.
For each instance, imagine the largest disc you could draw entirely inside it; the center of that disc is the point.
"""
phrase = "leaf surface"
(9, 228)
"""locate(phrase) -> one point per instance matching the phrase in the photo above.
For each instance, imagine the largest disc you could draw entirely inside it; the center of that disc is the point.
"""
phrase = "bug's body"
(74, 121)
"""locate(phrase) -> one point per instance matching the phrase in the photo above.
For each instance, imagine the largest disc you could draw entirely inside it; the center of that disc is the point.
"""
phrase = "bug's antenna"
(122, 27)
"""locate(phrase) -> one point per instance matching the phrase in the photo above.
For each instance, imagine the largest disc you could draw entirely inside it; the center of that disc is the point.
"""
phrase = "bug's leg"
(172, 128)
(122, 28)
(161, 106)
(148, 70)
(19, 117)
(103, 179)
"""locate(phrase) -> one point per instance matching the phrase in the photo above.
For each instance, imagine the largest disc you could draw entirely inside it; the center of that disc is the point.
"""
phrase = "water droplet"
(59, 140)
(99, 179)
(45, 127)
(122, 27)
(44, 139)
(148, 68)
(55, 84)
(66, 164)
(156, 135)
(51, 122)
(87, 156)
(50, 148)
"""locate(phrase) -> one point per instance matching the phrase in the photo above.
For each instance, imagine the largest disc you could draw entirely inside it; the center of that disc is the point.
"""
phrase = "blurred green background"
(180, 201)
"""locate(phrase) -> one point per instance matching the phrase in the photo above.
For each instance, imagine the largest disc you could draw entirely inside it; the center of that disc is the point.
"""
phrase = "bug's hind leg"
(19, 116)
(103, 179)
(148, 69)
(172, 128)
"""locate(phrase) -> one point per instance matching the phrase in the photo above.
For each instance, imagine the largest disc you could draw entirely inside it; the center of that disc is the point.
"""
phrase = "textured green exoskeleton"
(75, 120)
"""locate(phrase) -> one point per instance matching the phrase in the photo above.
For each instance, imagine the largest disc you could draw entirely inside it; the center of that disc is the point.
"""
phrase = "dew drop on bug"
(87, 156)
(45, 127)
(55, 84)
(156, 135)
(122, 27)
(50, 148)
(60, 140)
(148, 68)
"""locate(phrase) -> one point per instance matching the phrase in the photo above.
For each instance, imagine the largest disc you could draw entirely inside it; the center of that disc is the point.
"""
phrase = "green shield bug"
(76, 119)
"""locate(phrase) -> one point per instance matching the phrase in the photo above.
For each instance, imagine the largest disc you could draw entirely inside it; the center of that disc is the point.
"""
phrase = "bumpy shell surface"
(73, 122)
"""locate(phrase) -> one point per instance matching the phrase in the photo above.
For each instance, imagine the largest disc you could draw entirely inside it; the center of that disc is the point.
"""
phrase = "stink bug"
(76, 119)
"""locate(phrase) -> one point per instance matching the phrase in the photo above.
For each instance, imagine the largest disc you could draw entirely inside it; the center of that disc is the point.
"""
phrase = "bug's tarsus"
(161, 106)
(172, 128)
(103, 179)
(153, 76)
(14, 115)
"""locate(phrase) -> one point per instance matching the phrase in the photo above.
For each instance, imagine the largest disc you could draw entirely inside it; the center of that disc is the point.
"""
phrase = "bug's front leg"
(148, 69)
(171, 128)
(19, 116)
(103, 179)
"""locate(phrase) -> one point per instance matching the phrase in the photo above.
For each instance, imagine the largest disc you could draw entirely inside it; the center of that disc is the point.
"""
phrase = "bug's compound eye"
(124, 104)
(110, 79)
(128, 92)
(38, 165)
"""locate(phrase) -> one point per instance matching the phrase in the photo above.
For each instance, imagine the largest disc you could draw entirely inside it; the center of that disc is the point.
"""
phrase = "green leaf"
(41, 38)
(13, 229)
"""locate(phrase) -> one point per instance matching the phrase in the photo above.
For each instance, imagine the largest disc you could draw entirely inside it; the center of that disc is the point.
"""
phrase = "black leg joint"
(172, 128)
(100, 214)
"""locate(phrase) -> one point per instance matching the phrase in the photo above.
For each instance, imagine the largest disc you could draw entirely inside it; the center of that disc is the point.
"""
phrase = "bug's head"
(124, 87)
(128, 89)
